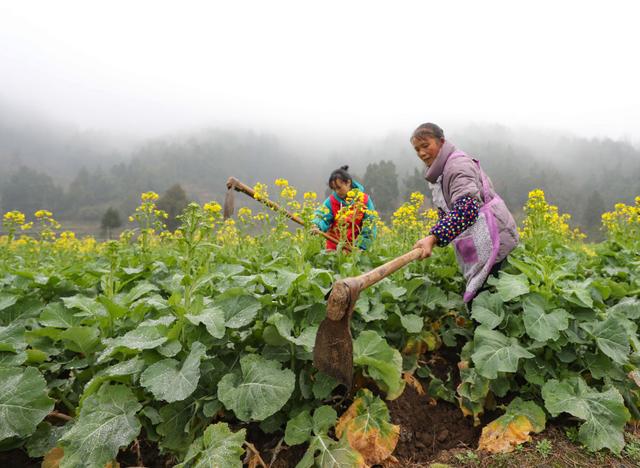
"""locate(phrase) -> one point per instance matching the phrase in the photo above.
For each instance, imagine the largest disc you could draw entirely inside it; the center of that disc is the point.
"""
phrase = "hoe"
(333, 351)
(234, 185)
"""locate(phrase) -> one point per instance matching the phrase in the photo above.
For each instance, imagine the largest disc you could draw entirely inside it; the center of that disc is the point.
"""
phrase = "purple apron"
(477, 247)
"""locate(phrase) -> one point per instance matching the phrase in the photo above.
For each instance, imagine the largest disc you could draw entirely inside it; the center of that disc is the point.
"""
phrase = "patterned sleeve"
(450, 225)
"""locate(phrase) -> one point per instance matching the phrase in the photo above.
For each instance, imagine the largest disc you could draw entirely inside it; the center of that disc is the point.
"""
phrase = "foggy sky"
(365, 67)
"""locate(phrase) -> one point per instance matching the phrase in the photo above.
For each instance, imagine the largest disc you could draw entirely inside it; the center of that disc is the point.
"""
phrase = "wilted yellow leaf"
(52, 458)
(367, 428)
(413, 382)
(512, 428)
(420, 344)
(255, 460)
(498, 438)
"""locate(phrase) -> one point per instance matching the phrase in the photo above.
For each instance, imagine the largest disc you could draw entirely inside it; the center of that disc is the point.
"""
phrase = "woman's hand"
(426, 244)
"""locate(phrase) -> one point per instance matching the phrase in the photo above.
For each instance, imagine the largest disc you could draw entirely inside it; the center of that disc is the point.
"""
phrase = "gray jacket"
(461, 176)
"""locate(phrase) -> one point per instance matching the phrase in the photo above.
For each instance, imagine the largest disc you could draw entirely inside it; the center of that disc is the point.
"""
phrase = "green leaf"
(323, 385)
(324, 418)
(488, 309)
(218, 447)
(143, 337)
(239, 308)
(12, 337)
(170, 348)
(284, 327)
(45, 438)
(259, 390)
(107, 422)
(57, 316)
(604, 413)
(23, 401)
(433, 297)
(122, 369)
(139, 290)
(212, 318)
(532, 272)
(628, 307)
(611, 337)
(7, 300)
(81, 339)
(324, 452)
(370, 310)
(389, 290)
(169, 381)
(298, 429)
(90, 307)
(382, 362)
(511, 286)
(495, 353)
(175, 426)
(11, 359)
(579, 293)
(114, 309)
(412, 323)
(284, 281)
(541, 326)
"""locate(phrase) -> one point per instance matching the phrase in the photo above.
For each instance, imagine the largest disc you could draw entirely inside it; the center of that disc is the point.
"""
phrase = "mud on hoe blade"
(333, 350)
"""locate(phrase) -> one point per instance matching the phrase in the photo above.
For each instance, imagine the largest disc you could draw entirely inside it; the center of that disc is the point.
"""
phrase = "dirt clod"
(425, 429)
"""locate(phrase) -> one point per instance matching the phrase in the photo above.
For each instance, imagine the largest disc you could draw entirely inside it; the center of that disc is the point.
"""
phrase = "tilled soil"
(426, 428)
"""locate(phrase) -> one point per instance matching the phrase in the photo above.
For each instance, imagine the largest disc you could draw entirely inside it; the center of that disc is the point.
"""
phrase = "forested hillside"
(79, 179)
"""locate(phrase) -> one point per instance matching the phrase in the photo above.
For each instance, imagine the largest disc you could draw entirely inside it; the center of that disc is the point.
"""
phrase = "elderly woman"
(471, 214)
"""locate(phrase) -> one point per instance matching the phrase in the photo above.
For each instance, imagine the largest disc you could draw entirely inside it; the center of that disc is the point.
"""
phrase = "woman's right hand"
(426, 244)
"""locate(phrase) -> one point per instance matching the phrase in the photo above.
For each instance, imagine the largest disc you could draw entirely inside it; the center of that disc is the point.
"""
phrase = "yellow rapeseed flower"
(43, 214)
(149, 196)
(212, 207)
(288, 193)
(417, 198)
(15, 217)
(260, 190)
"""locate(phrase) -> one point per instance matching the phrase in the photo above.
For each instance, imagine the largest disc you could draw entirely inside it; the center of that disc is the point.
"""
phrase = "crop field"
(194, 348)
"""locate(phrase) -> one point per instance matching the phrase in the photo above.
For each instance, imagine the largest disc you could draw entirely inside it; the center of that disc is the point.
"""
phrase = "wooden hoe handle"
(372, 277)
(234, 183)
(344, 292)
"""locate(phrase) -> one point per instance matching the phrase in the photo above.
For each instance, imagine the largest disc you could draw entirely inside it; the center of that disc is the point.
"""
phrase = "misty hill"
(582, 176)
(28, 139)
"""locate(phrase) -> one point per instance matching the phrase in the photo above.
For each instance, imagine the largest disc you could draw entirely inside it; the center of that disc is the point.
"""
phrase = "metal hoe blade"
(229, 203)
(333, 351)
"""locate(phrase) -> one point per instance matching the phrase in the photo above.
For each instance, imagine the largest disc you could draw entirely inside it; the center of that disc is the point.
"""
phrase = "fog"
(102, 101)
(323, 70)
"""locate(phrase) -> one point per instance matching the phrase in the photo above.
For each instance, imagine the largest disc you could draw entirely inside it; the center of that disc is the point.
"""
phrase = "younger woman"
(355, 220)
(472, 214)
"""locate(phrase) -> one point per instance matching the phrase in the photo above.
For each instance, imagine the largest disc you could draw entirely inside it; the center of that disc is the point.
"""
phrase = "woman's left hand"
(426, 244)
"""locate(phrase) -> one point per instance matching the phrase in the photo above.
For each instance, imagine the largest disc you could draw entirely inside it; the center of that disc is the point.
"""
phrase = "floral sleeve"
(462, 215)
